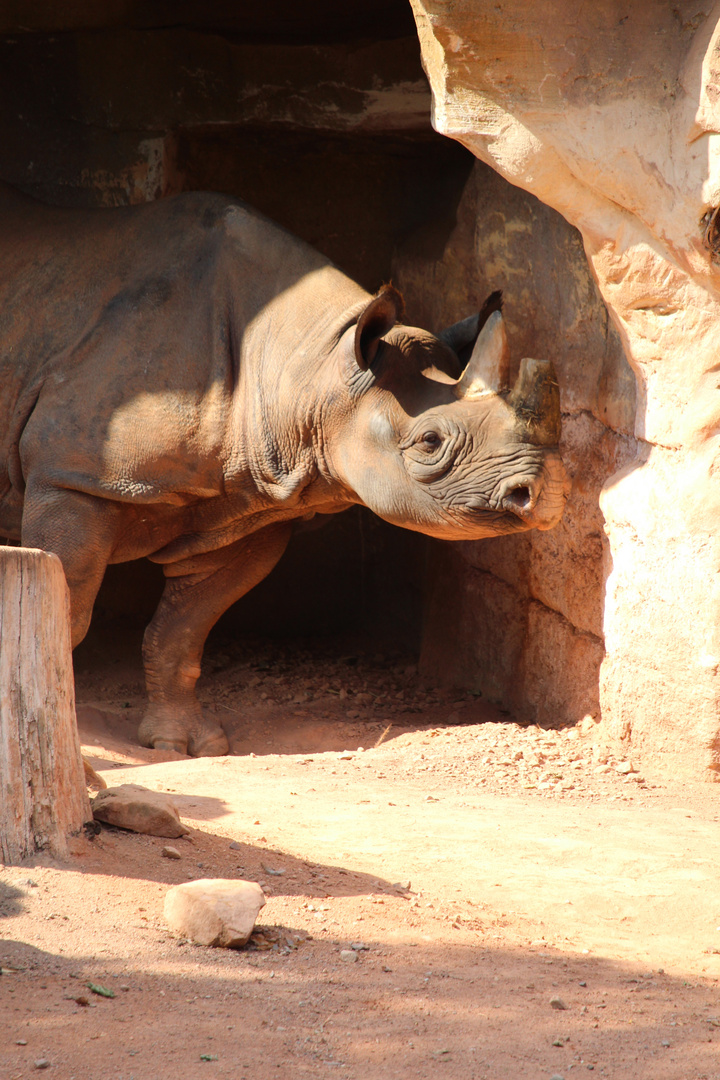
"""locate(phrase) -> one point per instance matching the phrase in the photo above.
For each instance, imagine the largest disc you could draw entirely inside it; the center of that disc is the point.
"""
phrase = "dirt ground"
(519, 908)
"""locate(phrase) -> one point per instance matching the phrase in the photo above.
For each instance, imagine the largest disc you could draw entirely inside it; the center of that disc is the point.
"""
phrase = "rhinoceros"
(183, 380)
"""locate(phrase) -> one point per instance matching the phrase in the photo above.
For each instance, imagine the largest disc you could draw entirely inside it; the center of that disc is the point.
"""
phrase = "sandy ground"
(481, 871)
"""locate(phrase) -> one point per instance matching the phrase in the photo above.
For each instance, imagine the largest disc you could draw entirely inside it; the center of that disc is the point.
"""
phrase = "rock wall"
(521, 618)
(610, 115)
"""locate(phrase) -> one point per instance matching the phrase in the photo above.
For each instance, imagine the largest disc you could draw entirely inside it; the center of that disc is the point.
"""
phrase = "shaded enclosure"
(320, 117)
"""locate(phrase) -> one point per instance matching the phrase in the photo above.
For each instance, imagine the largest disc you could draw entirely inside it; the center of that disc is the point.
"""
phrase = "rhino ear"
(461, 336)
(377, 319)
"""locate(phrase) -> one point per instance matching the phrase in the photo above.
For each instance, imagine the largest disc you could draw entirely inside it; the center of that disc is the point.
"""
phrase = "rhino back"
(122, 352)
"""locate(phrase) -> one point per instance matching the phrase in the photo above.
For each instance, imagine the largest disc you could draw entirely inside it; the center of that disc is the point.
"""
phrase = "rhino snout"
(539, 499)
(520, 496)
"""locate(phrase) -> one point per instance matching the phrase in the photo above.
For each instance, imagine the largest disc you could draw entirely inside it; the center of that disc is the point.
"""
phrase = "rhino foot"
(164, 729)
(210, 742)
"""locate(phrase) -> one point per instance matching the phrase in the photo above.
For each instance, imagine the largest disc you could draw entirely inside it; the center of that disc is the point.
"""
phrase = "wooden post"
(43, 799)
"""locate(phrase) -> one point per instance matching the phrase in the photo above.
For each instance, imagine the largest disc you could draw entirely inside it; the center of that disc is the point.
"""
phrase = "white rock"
(349, 956)
(217, 912)
(131, 806)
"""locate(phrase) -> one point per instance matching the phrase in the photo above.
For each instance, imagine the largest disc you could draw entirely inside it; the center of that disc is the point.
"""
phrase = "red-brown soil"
(486, 868)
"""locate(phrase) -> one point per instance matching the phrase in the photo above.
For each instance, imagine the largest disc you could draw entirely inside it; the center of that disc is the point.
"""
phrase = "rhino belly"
(11, 507)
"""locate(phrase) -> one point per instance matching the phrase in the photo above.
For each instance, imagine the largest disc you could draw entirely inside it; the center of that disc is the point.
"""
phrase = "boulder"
(217, 912)
(130, 806)
(613, 122)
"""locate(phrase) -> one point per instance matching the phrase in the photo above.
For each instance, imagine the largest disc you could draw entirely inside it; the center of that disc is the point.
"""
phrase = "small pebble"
(21, 1042)
(348, 955)
(665, 1042)
(170, 852)
(359, 946)
(234, 846)
(42, 1063)
(402, 884)
(557, 1076)
(557, 1003)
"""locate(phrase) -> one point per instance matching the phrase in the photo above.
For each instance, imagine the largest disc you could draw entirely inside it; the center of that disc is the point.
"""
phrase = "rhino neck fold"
(291, 398)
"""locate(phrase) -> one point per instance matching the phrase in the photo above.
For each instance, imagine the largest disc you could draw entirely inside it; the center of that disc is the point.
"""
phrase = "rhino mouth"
(477, 524)
(525, 501)
(518, 497)
(501, 520)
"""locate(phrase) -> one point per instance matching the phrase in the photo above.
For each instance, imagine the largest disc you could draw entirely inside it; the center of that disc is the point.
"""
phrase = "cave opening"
(321, 120)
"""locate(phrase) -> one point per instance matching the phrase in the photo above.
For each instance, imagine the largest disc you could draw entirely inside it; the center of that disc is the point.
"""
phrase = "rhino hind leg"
(197, 592)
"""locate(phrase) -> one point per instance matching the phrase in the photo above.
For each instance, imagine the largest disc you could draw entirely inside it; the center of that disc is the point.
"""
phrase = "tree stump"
(43, 799)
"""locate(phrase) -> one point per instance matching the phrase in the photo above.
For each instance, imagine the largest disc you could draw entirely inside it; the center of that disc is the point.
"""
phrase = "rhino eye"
(429, 440)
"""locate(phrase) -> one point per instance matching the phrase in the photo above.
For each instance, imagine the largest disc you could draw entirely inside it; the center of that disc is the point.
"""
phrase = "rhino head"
(446, 450)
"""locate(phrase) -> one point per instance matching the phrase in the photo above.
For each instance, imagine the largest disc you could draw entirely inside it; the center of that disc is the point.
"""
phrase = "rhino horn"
(536, 400)
(487, 368)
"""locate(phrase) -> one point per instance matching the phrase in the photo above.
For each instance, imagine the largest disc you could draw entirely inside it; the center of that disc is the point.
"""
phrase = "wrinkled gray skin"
(183, 380)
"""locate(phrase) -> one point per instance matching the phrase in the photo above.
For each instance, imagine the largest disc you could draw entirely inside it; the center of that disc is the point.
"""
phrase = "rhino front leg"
(197, 592)
(81, 530)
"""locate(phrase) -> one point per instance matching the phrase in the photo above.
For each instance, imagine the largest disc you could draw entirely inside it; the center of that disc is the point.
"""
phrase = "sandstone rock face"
(612, 119)
(130, 806)
(216, 912)
(521, 618)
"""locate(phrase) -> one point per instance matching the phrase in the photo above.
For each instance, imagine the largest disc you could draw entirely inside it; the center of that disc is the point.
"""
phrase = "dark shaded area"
(283, 20)
(11, 900)
(480, 1007)
(318, 116)
(356, 198)
(349, 573)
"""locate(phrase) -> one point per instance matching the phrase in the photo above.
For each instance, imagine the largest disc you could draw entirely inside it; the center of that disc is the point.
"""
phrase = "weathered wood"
(43, 799)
